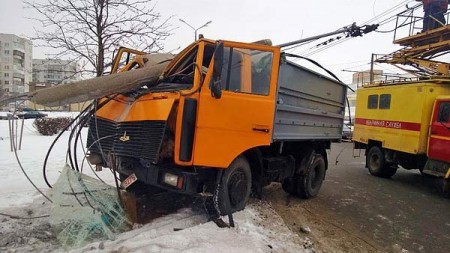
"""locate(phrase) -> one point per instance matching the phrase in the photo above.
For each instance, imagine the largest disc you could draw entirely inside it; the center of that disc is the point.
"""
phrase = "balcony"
(18, 75)
(18, 55)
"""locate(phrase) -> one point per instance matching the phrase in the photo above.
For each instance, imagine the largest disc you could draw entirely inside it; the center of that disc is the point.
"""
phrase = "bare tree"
(91, 30)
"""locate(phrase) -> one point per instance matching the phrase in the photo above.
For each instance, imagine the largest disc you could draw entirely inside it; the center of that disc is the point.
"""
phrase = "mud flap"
(212, 205)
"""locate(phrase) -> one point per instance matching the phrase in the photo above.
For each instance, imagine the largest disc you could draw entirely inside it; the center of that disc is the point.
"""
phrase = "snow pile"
(258, 229)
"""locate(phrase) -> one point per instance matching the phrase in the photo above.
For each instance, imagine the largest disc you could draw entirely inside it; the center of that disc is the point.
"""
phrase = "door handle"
(264, 130)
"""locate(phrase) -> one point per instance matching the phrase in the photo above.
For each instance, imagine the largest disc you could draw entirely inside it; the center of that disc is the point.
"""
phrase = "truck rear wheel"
(238, 180)
(377, 165)
(308, 184)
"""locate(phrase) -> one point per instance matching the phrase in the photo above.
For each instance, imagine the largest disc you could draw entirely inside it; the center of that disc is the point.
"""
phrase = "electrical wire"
(329, 72)
(23, 218)
(308, 52)
(14, 144)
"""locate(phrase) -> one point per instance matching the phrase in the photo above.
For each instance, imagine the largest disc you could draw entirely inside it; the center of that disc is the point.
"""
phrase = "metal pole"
(21, 133)
(312, 38)
(10, 132)
(17, 135)
(371, 69)
(195, 29)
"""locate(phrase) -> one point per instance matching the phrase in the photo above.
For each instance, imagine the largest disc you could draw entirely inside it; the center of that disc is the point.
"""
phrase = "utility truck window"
(246, 71)
(372, 102)
(444, 112)
(385, 101)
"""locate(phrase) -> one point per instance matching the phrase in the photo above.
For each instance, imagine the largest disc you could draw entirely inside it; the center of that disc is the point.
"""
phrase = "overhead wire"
(308, 52)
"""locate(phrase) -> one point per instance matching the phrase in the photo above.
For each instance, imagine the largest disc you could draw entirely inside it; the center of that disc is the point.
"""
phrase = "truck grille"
(140, 139)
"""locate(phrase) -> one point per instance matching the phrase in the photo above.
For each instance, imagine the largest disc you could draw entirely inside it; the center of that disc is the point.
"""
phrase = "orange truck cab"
(225, 118)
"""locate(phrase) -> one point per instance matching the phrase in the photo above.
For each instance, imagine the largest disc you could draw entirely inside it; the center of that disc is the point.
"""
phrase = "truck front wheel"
(377, 165)
(238, 181)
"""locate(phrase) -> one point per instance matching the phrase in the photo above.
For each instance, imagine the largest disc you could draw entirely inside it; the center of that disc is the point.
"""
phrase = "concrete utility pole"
(196, 29)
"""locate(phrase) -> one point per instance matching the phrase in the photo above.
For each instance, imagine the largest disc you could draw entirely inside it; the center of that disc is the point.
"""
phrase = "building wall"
(15, 64)
(55, 71)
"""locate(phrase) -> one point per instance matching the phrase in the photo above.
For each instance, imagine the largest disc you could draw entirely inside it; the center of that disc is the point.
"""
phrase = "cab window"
(246, 71)
(444, 112)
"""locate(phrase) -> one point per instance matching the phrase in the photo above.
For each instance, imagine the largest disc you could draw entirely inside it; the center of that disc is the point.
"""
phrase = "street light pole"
(196, 29)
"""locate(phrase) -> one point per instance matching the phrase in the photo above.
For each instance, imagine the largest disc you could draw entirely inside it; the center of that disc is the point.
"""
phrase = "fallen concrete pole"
(98, 87)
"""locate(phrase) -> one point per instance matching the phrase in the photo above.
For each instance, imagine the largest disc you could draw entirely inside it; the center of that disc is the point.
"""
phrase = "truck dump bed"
(309, 105)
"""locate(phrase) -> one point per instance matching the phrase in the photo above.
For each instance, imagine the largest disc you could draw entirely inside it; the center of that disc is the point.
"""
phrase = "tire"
(310, 184)
(238, 180)
(446, 188)
(307, 185)
(377, 164)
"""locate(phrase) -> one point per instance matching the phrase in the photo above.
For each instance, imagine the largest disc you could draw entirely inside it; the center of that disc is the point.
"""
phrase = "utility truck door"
(241, 116)
(439, 142)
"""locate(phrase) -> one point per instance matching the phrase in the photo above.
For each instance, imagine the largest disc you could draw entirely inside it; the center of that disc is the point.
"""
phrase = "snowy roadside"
(258, 228)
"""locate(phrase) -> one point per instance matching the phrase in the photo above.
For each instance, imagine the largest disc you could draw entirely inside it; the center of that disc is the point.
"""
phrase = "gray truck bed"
(309, 105)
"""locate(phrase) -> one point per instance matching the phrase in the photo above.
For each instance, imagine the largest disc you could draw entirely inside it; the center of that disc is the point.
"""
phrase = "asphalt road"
(406, 212)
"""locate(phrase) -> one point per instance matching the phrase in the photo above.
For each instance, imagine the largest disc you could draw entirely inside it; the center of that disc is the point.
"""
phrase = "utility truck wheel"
(377, 164)
(308, 184)
(238, 181)
(446, 188)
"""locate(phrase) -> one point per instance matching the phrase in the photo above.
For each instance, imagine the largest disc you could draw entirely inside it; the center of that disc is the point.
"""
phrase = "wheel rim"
(374, 161)
(237, 187)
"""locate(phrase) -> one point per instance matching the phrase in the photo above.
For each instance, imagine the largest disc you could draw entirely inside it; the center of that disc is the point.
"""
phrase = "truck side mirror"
(216, 82)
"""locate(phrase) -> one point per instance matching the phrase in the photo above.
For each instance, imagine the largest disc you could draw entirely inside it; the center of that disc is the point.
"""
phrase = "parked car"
(7, 116)
(31, 115)
(347, 132)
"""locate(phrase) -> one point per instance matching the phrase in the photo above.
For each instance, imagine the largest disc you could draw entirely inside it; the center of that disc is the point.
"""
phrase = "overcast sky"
(245, 20)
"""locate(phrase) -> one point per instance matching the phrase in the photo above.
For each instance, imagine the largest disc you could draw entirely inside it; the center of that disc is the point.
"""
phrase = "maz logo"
(125, 137)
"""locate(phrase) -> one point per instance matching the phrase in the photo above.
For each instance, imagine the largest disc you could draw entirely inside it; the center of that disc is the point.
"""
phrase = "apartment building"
(15, 64)
(55, 71)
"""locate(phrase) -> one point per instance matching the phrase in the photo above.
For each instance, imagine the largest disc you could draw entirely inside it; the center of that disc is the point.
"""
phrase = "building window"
(385, 101)
(6, 82)
(6, 67)
(6, 74)
(372, 102)
(6, 51)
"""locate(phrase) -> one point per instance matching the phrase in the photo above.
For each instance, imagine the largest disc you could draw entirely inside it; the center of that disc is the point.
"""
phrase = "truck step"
(435, 168)
(433, 173)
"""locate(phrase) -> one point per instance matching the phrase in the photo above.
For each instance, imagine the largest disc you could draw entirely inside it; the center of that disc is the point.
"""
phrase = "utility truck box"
(406, 124)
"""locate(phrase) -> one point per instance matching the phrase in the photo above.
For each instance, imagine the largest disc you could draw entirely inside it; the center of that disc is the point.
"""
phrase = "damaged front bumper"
(165, 176)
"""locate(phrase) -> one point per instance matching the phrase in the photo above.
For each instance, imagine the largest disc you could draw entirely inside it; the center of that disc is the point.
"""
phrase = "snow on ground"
(258, 228)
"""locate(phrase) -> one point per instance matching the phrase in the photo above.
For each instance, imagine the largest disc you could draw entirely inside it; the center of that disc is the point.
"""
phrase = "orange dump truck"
(225, 118)
(406, 124)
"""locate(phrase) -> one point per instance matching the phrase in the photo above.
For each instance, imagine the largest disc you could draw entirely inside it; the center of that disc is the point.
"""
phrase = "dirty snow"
(258, 228)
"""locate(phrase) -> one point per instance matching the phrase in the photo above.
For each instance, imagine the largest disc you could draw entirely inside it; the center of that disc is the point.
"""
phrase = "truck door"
(242, 118)
(439, 142)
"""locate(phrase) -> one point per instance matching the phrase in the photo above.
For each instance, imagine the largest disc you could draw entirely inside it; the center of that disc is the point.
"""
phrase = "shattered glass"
(85, 209)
